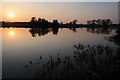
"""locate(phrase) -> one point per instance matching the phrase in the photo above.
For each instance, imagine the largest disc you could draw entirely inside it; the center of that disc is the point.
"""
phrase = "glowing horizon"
(64, 12)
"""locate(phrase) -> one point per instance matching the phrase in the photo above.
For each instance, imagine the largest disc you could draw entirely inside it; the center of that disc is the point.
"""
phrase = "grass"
(88, 62)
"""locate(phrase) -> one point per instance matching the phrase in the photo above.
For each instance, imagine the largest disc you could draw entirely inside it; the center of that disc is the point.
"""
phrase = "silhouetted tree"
(107, 22)
(89, 22)
(44, 22)
(104, 22)
(33, 21)
(55, 23)
(39, 20)
(61, 23)
(75, 21)
(70, 23)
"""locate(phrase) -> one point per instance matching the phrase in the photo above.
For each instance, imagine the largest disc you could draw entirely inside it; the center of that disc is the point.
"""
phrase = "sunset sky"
(60, 0)
(63, 11)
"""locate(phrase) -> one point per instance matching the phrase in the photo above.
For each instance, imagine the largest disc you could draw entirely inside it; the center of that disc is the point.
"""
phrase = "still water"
(22, 45)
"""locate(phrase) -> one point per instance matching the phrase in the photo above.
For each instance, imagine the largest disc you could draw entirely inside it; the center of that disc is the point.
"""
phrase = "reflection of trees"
(73, 29)
(55, 30)
(88, 62)
(42, 31)
(99, 30)
(116, 38)
(39, 31)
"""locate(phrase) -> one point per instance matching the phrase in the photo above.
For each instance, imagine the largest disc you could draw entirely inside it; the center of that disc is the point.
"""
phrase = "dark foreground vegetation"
(87, 63)
(116, 38)
(43, 23)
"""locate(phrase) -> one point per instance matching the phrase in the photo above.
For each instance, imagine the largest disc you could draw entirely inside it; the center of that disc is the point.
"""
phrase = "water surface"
(22, 45)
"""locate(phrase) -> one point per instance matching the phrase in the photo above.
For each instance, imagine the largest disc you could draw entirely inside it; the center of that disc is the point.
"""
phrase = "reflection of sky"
(65, 12)
(20, 48)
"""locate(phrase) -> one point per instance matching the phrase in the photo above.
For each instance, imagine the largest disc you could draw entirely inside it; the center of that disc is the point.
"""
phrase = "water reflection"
(43, 31)
(55, 30)
(102, 30)
(73, 29)
(115, 38)
(11, 33)
(19, 54)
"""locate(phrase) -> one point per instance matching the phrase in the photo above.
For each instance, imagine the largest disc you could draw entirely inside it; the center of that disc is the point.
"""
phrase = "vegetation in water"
(88, 62)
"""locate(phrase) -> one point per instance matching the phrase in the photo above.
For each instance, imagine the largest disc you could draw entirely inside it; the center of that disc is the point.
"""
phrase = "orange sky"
(64, 12)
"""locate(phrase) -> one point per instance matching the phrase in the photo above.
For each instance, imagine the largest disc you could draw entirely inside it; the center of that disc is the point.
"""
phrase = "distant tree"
(70, 23)
(93, 22)
(105, 22)
(38, 22)
(55, 22)
(99, 22)
(39, 19)
(33, 19)
(61, 23)
(88, 22)
(75, 21)
(42, 22)
(108, 22)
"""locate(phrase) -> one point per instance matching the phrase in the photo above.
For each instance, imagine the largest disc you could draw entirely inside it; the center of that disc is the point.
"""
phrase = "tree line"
(105, 22)
(43, 22)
